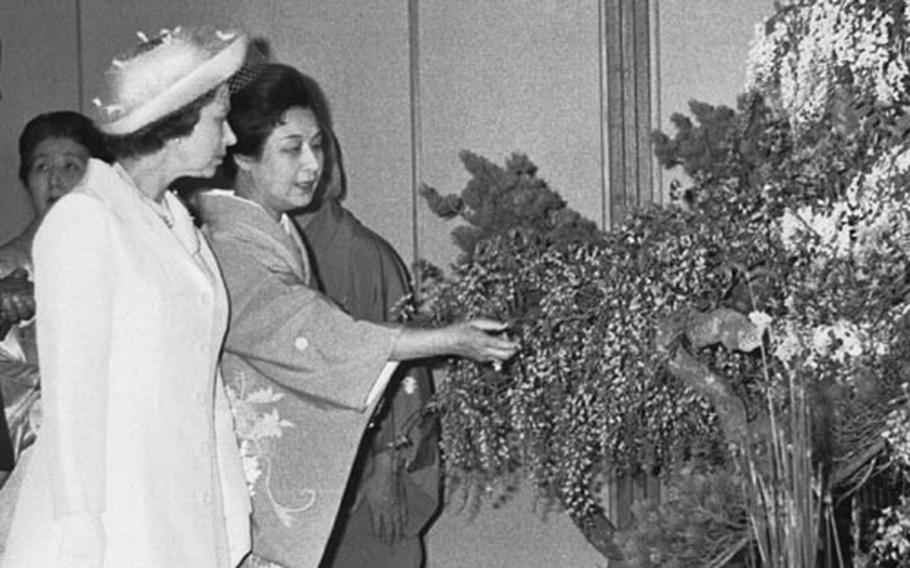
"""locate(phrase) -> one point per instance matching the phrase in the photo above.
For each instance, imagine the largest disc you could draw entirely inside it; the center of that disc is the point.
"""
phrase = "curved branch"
(725, 326)
(601, 534)
(701, 329)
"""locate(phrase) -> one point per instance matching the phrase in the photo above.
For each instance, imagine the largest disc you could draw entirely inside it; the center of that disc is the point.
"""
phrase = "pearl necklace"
(160, 209)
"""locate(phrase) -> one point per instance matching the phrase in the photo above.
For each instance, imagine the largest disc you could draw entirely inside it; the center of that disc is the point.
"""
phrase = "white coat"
(137, 430)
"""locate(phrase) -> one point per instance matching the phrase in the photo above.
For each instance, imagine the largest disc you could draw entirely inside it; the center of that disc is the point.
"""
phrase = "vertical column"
(640, 61)
(80, 74)
(414, 90)
(627, 39)
(629, 73)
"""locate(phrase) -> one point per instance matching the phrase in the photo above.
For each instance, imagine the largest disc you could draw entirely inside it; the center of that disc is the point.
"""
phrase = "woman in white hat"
(137, 464)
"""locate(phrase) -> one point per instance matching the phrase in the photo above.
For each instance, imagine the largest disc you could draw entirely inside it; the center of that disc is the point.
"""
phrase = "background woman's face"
(56, 166)
(286, 175)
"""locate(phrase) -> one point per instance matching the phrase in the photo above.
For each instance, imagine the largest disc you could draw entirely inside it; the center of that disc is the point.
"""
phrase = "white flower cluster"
(897, 434)
(892, 535)
(821, 230)
(841, 341)
(872, 218)
(802, 54)
(893, 532)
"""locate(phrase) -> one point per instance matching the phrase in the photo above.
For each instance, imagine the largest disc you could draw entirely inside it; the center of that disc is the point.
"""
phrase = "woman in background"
(304, 377)
(395, 488)
(54, 149)
(137, 464)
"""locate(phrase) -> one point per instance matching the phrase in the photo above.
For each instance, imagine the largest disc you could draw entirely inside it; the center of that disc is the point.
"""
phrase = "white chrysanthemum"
(787, 343)
(796, 59)
(839, 341)
(790, 228)
(897, 434)
(761, 320)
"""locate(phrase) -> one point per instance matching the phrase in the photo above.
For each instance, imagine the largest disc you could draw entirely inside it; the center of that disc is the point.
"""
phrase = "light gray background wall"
(495, 77)
(38, 72)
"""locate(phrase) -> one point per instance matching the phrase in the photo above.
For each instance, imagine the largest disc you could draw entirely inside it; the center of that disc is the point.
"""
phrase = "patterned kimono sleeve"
(293, 335)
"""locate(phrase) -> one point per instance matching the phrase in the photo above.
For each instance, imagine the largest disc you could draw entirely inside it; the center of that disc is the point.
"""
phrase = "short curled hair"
(152, 137)
(59, 124)
(259, 107)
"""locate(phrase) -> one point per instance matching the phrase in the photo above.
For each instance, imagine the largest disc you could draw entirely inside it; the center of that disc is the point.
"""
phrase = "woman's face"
(200, 152)
(286, 175)
(56, 166)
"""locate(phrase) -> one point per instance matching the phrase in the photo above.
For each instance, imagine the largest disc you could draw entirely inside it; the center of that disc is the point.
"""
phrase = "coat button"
(301, 343)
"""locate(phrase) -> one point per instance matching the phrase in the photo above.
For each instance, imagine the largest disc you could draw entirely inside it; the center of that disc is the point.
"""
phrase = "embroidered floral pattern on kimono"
(258, 426)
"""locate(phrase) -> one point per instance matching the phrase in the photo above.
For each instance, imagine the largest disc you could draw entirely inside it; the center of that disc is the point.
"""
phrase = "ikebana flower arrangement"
(749, 342)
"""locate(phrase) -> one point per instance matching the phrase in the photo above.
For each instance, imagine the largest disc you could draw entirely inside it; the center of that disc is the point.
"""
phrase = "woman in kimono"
(137, 464)
(303, 376)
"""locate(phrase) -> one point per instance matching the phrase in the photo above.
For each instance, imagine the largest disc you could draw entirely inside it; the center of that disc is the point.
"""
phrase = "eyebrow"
(37, 157)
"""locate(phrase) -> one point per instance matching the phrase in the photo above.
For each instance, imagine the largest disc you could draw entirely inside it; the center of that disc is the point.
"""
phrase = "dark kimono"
(362, 272)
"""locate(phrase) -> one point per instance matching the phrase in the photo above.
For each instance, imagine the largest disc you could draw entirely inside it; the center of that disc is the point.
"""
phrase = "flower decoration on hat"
(163, 74)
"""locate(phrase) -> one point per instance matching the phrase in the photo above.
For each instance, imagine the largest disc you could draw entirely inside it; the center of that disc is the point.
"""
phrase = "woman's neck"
(245, 188)
(148, 175)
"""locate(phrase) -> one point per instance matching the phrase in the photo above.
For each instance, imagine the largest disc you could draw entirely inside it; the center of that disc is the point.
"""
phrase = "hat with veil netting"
(163, 74)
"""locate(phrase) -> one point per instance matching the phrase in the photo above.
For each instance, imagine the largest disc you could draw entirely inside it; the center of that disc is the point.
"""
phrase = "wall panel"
(38, 73)
(703, 47)
(503, 77)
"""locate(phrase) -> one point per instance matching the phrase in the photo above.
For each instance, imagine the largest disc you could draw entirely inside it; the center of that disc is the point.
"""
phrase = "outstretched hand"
(484, 340)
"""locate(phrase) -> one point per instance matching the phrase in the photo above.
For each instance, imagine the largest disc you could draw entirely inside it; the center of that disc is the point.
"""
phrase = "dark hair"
(259, 107)
(153, 136)
(59, 124)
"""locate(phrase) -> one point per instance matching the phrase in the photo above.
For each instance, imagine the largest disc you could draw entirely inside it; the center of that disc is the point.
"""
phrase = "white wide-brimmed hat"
(165, 73)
